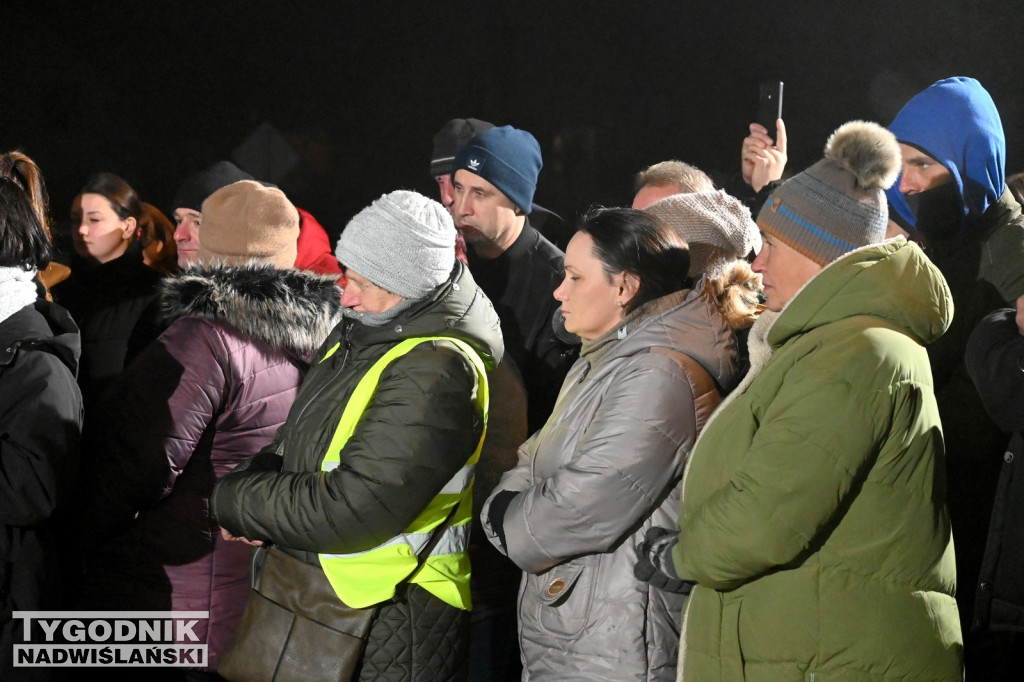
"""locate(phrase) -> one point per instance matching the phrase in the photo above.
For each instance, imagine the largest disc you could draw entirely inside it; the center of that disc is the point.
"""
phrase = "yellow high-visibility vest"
(365, 578)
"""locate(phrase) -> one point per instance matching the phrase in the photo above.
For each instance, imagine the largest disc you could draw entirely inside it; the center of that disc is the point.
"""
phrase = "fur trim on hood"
(292, 309)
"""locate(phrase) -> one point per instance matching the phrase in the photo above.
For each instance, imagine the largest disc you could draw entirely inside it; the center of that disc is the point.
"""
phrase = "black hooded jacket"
(40, 427)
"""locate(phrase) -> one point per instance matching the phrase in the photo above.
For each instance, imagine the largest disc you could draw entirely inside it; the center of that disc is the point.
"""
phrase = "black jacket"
(115, 306)
(978, 264)
(520, 282)
(40, 426)
(995, 361)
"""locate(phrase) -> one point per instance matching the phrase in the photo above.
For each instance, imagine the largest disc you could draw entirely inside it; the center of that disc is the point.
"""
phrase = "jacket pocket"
(566, 594)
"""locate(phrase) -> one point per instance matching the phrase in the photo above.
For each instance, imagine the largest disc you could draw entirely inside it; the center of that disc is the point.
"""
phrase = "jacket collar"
(457, 308)
(290, 309)
(893, 281)
(44, 326)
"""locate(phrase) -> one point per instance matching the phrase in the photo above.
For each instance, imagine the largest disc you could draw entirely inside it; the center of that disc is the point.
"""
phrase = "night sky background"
(157, 90)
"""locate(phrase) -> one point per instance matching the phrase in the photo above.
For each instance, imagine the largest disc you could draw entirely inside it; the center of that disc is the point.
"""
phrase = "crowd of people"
(766, 437)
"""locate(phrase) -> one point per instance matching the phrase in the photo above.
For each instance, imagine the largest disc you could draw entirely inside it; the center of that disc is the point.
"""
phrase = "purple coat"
(210, 392)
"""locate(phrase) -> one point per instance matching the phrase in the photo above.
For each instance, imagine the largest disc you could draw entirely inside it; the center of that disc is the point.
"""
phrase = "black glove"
(266, 461)
(496, 514)
(654, 561)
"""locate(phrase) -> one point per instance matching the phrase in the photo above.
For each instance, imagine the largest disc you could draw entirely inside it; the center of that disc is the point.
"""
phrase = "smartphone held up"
(769, 107)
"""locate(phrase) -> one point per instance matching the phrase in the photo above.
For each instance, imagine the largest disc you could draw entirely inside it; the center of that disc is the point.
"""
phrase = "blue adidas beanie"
(506, 157)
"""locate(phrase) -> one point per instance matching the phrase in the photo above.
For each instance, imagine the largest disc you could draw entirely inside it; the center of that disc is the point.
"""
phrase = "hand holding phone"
(763, 156)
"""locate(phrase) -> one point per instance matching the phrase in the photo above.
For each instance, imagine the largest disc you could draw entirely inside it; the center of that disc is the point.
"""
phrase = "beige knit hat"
(246, 221)
(714, 224)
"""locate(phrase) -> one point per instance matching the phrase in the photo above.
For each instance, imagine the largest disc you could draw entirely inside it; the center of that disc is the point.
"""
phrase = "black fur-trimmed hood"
(292, 309)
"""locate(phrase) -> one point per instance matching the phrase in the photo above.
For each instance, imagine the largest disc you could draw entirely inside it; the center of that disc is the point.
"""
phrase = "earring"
(621, 304)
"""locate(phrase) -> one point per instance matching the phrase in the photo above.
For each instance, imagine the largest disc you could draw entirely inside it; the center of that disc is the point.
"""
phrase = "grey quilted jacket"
(604, 468)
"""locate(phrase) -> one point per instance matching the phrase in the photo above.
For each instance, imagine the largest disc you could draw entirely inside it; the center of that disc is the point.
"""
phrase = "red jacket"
(314, 247)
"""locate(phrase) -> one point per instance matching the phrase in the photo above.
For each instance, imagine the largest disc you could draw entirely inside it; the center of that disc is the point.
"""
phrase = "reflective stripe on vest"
(362, 579)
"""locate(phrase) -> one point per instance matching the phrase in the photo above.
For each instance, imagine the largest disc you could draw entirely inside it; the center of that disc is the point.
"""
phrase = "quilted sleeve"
(418, 431)
(629, 453)
(40, 426)
(153, 418)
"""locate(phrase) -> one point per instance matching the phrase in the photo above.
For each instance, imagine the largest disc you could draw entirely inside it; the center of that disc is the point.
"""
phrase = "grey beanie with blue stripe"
(838, 204)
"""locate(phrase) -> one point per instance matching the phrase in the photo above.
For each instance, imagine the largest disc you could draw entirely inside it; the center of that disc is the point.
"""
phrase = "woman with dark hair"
(110, 293)
(40, 420)
(606, 466)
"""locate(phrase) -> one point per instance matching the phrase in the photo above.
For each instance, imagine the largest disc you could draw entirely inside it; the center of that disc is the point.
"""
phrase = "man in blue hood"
(953, 183)
(952, 198)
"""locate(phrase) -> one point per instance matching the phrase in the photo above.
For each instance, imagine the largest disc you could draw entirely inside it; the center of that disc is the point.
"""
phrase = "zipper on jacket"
(584, 373)
(344, 362)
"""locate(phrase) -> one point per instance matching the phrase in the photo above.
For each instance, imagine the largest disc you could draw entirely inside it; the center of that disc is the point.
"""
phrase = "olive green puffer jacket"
(813, 515)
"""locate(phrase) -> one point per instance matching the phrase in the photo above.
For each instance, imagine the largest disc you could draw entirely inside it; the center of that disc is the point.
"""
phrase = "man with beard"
(952, 198)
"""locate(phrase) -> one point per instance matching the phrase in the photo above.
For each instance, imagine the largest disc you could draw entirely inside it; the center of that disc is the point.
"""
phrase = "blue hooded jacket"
(956, 122)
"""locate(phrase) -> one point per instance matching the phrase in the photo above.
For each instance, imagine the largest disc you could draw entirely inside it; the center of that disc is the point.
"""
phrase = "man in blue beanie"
(952, 198)
(494, 178)
(449, 140)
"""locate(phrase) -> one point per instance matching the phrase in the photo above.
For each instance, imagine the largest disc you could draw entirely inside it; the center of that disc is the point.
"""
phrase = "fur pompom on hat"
(716, 225)
(403, 242)
(246, 221)
(838, 204)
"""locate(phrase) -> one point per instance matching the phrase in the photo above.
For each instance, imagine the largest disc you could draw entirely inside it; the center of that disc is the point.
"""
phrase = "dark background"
(157, 90)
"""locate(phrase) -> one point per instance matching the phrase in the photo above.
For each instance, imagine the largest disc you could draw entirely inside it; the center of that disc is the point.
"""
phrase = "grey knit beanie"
(403, 242)
(714, 219)
(838, 204)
